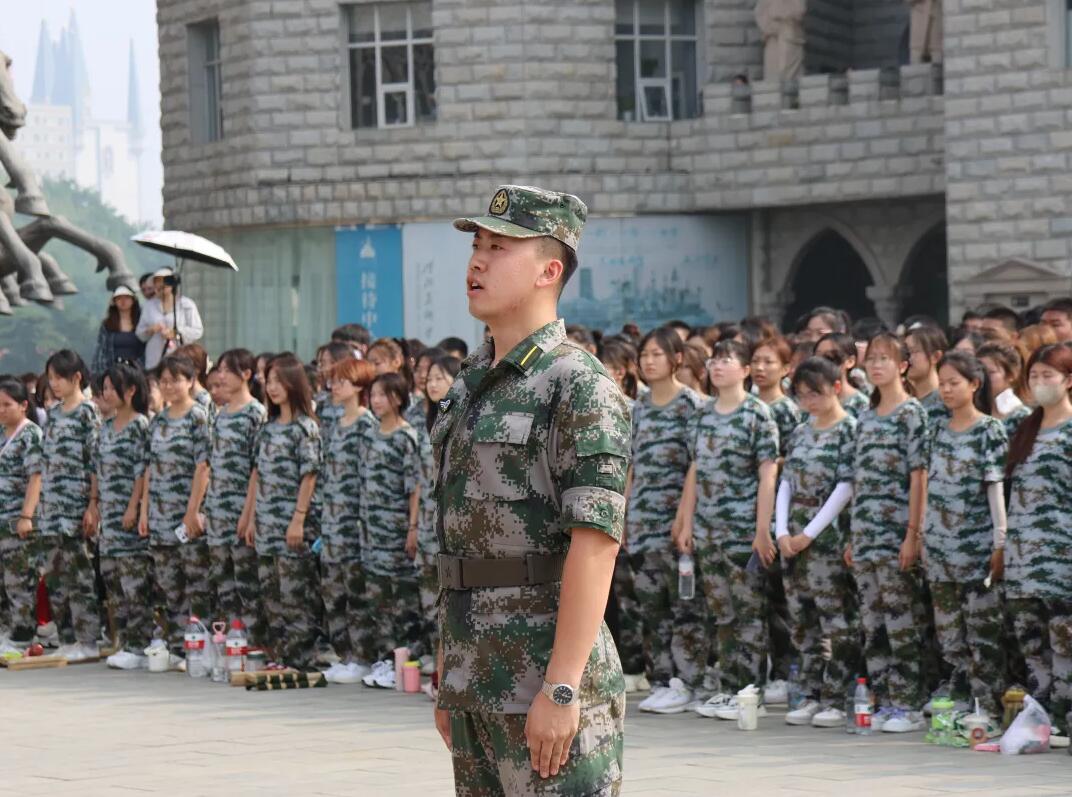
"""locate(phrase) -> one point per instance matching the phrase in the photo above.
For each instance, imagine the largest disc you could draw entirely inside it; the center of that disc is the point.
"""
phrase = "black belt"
(457, 572)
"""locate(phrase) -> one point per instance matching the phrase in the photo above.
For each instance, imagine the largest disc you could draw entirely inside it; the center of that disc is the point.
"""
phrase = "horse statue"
(27, 273)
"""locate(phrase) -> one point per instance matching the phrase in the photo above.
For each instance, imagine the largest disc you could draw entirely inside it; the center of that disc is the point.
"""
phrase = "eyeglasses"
(724, 361)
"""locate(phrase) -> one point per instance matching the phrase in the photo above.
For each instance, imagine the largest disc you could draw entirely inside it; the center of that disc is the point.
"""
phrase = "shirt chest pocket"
(501, 463)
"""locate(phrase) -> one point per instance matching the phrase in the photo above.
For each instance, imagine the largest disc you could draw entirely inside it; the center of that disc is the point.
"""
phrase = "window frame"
(666, 83)
(205, 81)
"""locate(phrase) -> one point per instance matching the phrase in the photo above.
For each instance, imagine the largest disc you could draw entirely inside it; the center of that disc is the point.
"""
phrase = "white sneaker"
(730, 711)
(829, 717)
(776, 693)
(378, 668)
(72, 652)
(386, 679)
(351, 673)
(803, 715)
(904, 722)
(713, 704)
(89, 650)
(125, 660)
(652, 700)
(331, 672)
(676, 698)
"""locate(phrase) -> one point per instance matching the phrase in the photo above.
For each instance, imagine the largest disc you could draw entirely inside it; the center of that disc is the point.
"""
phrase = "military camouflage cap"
(521, 211)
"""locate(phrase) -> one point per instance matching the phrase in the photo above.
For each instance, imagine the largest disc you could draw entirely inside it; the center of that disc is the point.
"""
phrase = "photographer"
(157, 325)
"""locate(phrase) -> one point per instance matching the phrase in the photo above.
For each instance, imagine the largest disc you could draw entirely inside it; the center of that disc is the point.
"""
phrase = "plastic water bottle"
(219, 641)
(195, 639)
(237, 646)
(795, 697)
(686, 577)
(863, 707)
(850, 709)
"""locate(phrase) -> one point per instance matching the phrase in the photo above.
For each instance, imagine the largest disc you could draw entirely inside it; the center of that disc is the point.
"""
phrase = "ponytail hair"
(969, 367)
(899, 349)
(1059, 358)
(620, 354)
(239, 360)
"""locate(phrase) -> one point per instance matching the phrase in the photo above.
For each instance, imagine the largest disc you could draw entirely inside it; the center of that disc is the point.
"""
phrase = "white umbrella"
(186, 246)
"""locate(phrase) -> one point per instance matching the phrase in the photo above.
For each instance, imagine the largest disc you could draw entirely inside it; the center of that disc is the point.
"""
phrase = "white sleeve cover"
(995, 493)
(781, 509)
(827, 514)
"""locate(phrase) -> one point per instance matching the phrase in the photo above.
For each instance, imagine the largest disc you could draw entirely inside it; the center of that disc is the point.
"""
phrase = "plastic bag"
(1029, 732)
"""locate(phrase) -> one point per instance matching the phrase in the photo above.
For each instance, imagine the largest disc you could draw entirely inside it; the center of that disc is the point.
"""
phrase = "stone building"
(327, 144)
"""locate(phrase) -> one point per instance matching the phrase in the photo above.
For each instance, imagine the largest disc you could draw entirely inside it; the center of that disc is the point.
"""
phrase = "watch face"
(563, 695)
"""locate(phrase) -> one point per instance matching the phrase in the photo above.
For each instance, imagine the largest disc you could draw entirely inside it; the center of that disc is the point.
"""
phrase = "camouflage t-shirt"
(69, 442)
(284, 453)
(120, 460)
(1038, 549)
(888, 449)
(392, 473)
(817, 460)
(937, 413)
(176, 447)
(230, 463)
(204, 400)
(660, 461)
(20, 460)
(341, 489)
(788, 416)
(528, 449)
(856, 403)
(327, 413)
(728, 450)
(959, 533)
(1013, 420)
(427, 541)
(414, 414)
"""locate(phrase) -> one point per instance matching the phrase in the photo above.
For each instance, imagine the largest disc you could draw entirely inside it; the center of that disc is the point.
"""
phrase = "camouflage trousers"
(968, 624)
(783, 650)
(737, 604)
(291, 600)
(180, 580)
(342, 585)
(428, 583)
(675, 639)
(1043, 630)
(822, 604)
(71, 583)
(630, 628)
(395, 620)
(129, 594)
(491, 756)
(893, 632)
(18, 587)
(235, 587)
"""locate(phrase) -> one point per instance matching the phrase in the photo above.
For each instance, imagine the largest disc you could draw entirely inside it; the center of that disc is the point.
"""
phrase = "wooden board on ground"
(271, 680)
(33, 663)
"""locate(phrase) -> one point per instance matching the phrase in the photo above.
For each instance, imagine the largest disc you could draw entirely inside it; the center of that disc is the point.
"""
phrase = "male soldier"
(532, 446)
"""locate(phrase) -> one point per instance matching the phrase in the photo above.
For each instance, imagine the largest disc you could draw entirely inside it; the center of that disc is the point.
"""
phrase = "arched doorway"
(924, 287)
(829, 272)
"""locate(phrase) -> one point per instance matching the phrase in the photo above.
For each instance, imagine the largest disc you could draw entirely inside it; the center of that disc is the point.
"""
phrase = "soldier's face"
(502, 274)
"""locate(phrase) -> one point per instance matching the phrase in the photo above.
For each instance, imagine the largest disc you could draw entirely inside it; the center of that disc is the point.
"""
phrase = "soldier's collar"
(527, 353)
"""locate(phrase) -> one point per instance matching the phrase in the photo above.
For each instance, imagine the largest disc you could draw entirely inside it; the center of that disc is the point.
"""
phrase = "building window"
(392, 68)
(1068, 34)
(656, 56)
(203, 59)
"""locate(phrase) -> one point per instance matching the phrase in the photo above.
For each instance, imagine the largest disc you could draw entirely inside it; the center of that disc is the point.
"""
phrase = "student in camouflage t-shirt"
(1004, 367)
(840, 349)
(965, 526)
(926, 345)
(727, 511)
(20, 490)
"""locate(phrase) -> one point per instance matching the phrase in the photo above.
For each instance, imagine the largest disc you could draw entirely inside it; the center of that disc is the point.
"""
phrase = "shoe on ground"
(829, 717)
(653, 699)
(675, 699)
(351, 673)
(904, 722)
(428, 664)
(126, 660)
(879, 718)
(1058, 740)
(331, 672)
(382, 675)
(713, 704)
(803, 715)
(776, 693)
(730, 712)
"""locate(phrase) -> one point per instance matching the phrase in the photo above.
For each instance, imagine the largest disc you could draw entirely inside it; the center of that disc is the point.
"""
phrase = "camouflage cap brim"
(498, 226)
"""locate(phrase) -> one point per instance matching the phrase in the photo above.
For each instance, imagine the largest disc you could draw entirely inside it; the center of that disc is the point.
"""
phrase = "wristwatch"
(560, 694)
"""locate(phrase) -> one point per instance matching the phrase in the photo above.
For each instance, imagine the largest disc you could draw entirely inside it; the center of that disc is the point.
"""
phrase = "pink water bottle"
(401, 657)
(411, 676)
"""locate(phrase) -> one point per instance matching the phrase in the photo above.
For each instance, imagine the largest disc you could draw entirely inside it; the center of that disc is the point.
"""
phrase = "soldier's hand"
(194, 528)
(442, 724)
(683, 539)
(909, 552)
(549, 732)
(997, 565)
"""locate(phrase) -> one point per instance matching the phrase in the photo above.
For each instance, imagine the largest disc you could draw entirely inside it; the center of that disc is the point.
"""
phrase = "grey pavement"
(85, 730)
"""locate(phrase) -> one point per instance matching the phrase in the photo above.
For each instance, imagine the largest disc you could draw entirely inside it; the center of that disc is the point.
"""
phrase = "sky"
(106, 27)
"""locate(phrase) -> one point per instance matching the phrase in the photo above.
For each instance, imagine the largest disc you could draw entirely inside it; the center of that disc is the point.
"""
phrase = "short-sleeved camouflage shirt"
(230, 462)
(728, 450)
(856, 403)
(328, 413)
(959, 533)
(176, 447)
(937, 412)
(284, 454)
(21, 459)
(120, 461)
(660, 448)
(68, 446)
(1013, 420)
(817, 461)
(787, 416)
(341, 489)
(529, 449)
(392, 473)
(888, 448)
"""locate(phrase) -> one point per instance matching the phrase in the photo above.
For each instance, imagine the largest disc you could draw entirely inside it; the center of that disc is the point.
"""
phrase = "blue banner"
(368, 274)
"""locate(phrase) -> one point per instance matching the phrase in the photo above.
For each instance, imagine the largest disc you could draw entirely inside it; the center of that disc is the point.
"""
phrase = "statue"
(27, 273)
(782, 24)
(925, 34)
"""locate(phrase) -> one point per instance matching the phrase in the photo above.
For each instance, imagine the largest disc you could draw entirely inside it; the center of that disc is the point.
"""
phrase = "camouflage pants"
(782, 648)
(1044, 633)
(630, 639)
(736, 603)
(235, 587)
(822, 604)
(342, 585)
(129, 590)
(968, 622)
(893, 635)
(169, 587)
(428, 580)
(675, 639)
(491, 756)
(290, 599)
(70, 579)
(196, 566)
(394, 610)
(18, 587)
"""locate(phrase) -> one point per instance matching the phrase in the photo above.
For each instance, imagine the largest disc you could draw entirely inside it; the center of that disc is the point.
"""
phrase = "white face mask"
(1048, 395)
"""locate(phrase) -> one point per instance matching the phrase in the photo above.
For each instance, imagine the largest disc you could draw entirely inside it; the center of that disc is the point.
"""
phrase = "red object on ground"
(44, 610)
(35, 650)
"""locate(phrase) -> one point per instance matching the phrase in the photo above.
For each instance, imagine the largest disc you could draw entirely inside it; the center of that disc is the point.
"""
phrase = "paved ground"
(85, 730)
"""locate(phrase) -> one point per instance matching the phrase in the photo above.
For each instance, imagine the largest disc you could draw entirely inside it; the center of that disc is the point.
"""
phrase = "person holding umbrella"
(161, 326)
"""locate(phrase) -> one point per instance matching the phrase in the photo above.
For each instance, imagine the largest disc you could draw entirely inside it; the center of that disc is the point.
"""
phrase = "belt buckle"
(450, 572)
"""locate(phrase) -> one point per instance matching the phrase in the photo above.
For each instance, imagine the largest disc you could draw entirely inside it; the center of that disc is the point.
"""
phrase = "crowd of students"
(852, 500)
